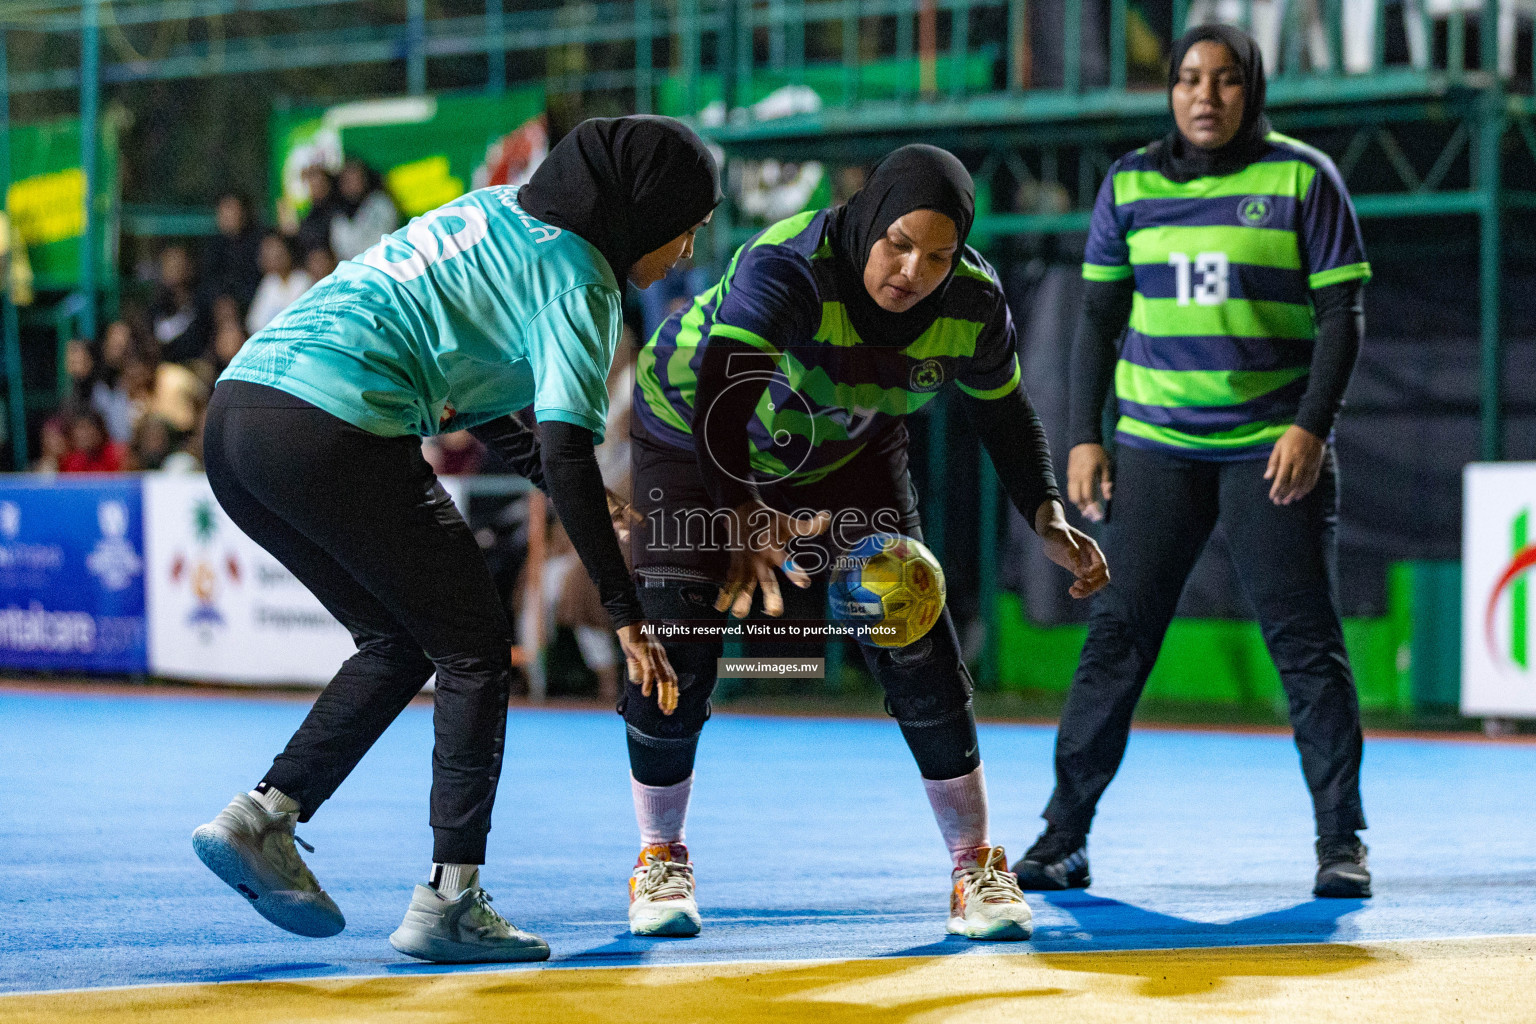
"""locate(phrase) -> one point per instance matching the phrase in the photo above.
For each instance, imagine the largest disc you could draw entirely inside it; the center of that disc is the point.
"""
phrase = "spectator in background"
(319, 262)
(281, 284)
(188, 456)
(179, 321)
(365, 213)
(453, 454)
(227, 341)
(53, 443)
(152, 441)
(229, 257)
(125, 338)
(92, 450)
(324, 203)
(80, 366)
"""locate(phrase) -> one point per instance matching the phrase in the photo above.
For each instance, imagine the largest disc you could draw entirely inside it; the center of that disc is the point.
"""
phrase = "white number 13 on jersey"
(1204, 278)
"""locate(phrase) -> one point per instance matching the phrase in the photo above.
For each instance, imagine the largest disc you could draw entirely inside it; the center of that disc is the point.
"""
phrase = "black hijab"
(1178, 159)
(628, 185)
(910, 178)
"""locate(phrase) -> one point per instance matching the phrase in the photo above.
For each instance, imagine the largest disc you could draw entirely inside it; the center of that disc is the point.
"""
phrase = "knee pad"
(926, 683)
(694, 664)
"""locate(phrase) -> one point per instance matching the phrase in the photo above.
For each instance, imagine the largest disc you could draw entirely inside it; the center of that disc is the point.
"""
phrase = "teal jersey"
(467, 313)
(1219, 346)
(835, 392)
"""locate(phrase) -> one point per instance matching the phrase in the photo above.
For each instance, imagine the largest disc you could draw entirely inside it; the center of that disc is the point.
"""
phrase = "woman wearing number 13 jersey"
(1231, 259)
(503, 299)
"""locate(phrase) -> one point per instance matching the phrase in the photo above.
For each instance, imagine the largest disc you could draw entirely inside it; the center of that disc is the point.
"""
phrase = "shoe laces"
(666, 879)
(992, 882)
(288, 858)
(485, 917)
(1340, 850)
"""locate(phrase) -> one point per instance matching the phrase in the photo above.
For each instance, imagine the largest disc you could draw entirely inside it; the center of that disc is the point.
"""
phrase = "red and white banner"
(1498, 554)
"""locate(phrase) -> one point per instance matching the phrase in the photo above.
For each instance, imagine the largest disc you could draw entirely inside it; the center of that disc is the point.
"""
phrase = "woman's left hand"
(1294, 465)
(1072, 549)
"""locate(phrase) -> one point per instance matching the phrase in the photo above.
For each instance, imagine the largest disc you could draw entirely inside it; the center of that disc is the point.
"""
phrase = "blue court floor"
(811, 838)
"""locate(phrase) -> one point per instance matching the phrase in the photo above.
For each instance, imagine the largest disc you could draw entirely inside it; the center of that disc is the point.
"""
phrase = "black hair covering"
(911, 178)
(628, 185)
(1178, 159)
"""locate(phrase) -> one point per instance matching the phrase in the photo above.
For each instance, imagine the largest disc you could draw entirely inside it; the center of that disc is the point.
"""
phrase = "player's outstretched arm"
(575, 487)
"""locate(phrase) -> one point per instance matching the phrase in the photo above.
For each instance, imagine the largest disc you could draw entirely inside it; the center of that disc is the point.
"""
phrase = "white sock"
(450, 880)
(661, 811)
(960, 807)
(274, 799)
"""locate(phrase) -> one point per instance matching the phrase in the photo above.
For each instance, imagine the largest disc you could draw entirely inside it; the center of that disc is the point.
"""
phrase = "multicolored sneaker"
(986, 902)
(661, 892)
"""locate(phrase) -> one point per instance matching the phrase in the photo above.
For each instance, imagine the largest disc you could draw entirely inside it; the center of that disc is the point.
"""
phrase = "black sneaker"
(1341, 870)
(1058, 860)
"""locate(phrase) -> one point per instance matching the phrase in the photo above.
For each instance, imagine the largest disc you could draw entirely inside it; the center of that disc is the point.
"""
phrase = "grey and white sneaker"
(251, 849)
(464, 930)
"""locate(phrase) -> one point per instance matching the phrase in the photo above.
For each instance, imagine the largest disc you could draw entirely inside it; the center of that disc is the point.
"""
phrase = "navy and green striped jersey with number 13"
(1216, 358)
(834, 392)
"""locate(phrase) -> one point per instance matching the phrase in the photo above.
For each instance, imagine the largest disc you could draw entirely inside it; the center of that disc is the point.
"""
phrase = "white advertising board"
(1498, 553)
(219, 608)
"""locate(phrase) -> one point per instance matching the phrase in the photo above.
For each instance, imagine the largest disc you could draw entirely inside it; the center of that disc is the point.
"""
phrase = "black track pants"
(1164, 510)
(364, 524)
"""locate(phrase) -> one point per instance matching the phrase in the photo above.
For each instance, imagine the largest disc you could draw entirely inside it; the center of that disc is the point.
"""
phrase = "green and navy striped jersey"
(1216, 357)
(469, 312)
(834, 392)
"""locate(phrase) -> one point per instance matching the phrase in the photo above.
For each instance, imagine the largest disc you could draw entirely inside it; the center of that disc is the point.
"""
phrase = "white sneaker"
(661, 893)
(986, 902)
(464, 930)
(251, 849)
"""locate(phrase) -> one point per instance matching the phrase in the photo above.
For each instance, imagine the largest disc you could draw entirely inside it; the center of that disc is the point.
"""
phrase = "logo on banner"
(1512, 579)
(204, 571)
(113, 560)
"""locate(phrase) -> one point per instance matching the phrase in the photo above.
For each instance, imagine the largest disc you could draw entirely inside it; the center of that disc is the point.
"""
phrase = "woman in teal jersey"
(1230, 259)
(786, 387)
(501, 300)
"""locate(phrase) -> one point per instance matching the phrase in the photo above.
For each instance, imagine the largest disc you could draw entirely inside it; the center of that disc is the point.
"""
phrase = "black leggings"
(1164, 510)
(362, 521)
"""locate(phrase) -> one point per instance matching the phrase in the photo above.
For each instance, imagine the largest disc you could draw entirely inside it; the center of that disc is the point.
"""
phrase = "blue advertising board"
(72, 574)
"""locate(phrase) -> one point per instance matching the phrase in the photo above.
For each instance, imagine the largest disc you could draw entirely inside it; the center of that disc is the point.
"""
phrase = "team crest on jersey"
(927, 375)
(1254, 211)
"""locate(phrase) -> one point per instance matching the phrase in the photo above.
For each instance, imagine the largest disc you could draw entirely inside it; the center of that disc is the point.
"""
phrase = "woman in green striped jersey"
(1230, 259)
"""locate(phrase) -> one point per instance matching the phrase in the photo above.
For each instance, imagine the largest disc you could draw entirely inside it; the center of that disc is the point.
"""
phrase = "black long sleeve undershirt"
(732, 377)
(575, 486)
(1016, 443)
(1338, 311)
(517, 446)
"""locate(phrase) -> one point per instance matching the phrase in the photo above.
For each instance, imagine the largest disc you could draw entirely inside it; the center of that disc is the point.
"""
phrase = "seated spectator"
(92, 450)
(125, 339)
(179, 322)
(455, 454)
(229, 257)
(319, 262)
(53, 443)
(227, 340)
(282, 284)
(153, 440)
(228, 310)
(324, 203)
(80, 366)
(188, 456)
(365, 212)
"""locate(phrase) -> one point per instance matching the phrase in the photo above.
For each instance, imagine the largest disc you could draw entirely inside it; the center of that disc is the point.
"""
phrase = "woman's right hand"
(760, 544)
(648, 665)
(1088, 481)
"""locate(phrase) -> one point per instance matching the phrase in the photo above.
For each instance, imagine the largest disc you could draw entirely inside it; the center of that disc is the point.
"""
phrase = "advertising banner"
(430, 149)
(1498, 553)
(220, 608)
(72, 574)
(46, 198)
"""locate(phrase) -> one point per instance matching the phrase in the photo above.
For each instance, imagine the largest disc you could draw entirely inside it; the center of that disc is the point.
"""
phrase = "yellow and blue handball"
(891, 584)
